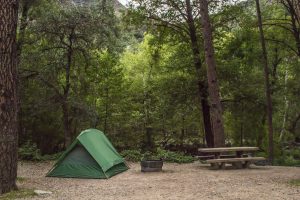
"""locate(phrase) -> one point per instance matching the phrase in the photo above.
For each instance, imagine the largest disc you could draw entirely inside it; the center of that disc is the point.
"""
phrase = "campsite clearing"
(184, 182)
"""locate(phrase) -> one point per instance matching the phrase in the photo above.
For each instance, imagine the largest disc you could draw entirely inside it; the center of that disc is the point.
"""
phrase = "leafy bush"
(287, 161)
(168, 156)
(132, 155)
(29, 151)
(289, 157)
(296, 154)
(52, 156)
(175, 157)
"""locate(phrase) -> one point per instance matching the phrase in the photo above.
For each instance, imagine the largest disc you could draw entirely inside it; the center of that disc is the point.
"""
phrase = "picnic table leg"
(246, 164)
(216, 165)
(239, 154)
(238, 165)
(222, 165)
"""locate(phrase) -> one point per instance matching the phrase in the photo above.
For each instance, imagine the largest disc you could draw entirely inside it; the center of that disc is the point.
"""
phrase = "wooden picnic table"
(238, 160)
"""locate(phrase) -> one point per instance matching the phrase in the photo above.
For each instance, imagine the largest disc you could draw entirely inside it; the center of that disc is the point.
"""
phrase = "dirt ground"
(184, 182)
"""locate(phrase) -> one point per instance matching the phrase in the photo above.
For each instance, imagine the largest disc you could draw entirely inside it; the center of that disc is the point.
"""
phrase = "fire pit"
(151, 165)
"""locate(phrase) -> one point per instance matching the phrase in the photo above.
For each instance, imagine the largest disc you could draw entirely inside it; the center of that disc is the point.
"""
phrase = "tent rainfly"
(92, 156)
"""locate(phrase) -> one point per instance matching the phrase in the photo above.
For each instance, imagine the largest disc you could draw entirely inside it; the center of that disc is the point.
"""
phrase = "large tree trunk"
(201, 85)
(267, 83)
(213, 86)
(209, 136)
(8, 95)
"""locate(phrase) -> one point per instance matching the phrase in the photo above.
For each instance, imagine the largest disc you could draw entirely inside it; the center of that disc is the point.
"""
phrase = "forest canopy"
(138, 73)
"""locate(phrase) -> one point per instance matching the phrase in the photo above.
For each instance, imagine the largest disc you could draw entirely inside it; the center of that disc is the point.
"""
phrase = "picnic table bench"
(238, 160)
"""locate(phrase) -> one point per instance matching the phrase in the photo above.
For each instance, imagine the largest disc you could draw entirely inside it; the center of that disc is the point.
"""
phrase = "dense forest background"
(130, 72)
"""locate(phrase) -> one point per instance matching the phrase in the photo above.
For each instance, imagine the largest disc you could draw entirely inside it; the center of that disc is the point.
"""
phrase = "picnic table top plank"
(227, 149)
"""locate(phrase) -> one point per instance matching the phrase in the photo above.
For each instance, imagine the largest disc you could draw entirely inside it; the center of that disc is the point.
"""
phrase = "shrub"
(52, 156)
(175, 157)
(296, 154)
(29, 151)
(132, 155)
(168, 156)
(287, 161)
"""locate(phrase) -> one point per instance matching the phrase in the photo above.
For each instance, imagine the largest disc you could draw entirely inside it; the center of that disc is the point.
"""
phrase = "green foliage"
(51, 156)
(29, 151)
(131, 155)
(18, 194)
(130, 75)
(174, 157)
(160, 154)
(289, 158)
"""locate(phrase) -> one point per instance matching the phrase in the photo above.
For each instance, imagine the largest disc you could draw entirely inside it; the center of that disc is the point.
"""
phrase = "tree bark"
(8, 95)
(198, 65)
(209, 136)
(65, 100)
(213, 86)
(67, 127)
(267, 83)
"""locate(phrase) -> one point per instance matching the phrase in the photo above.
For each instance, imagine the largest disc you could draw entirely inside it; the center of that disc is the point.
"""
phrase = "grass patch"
(21, 179)
(295, 182)
(18, 194)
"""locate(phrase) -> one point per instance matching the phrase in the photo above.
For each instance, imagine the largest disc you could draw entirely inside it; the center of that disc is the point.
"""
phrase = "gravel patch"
(185, 182)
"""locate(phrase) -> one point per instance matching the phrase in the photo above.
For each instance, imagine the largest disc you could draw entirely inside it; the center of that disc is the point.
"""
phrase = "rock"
(41, 192)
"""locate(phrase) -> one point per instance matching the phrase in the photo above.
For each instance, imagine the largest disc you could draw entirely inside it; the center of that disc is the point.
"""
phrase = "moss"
(295, 182)
(18, 194)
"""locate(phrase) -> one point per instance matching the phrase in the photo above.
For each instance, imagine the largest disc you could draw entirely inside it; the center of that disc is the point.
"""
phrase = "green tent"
(91, 155)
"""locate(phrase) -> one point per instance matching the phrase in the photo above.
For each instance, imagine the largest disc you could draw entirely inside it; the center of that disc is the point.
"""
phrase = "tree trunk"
(8, 95)
(22, 28)
(182, 135)
(267, 83)
(67, 127)
(106, 107)
(65, 100)
(213, 86)
(198, 65)
(286, 107)
(21, 37)
(260, 136)
(209, 136)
